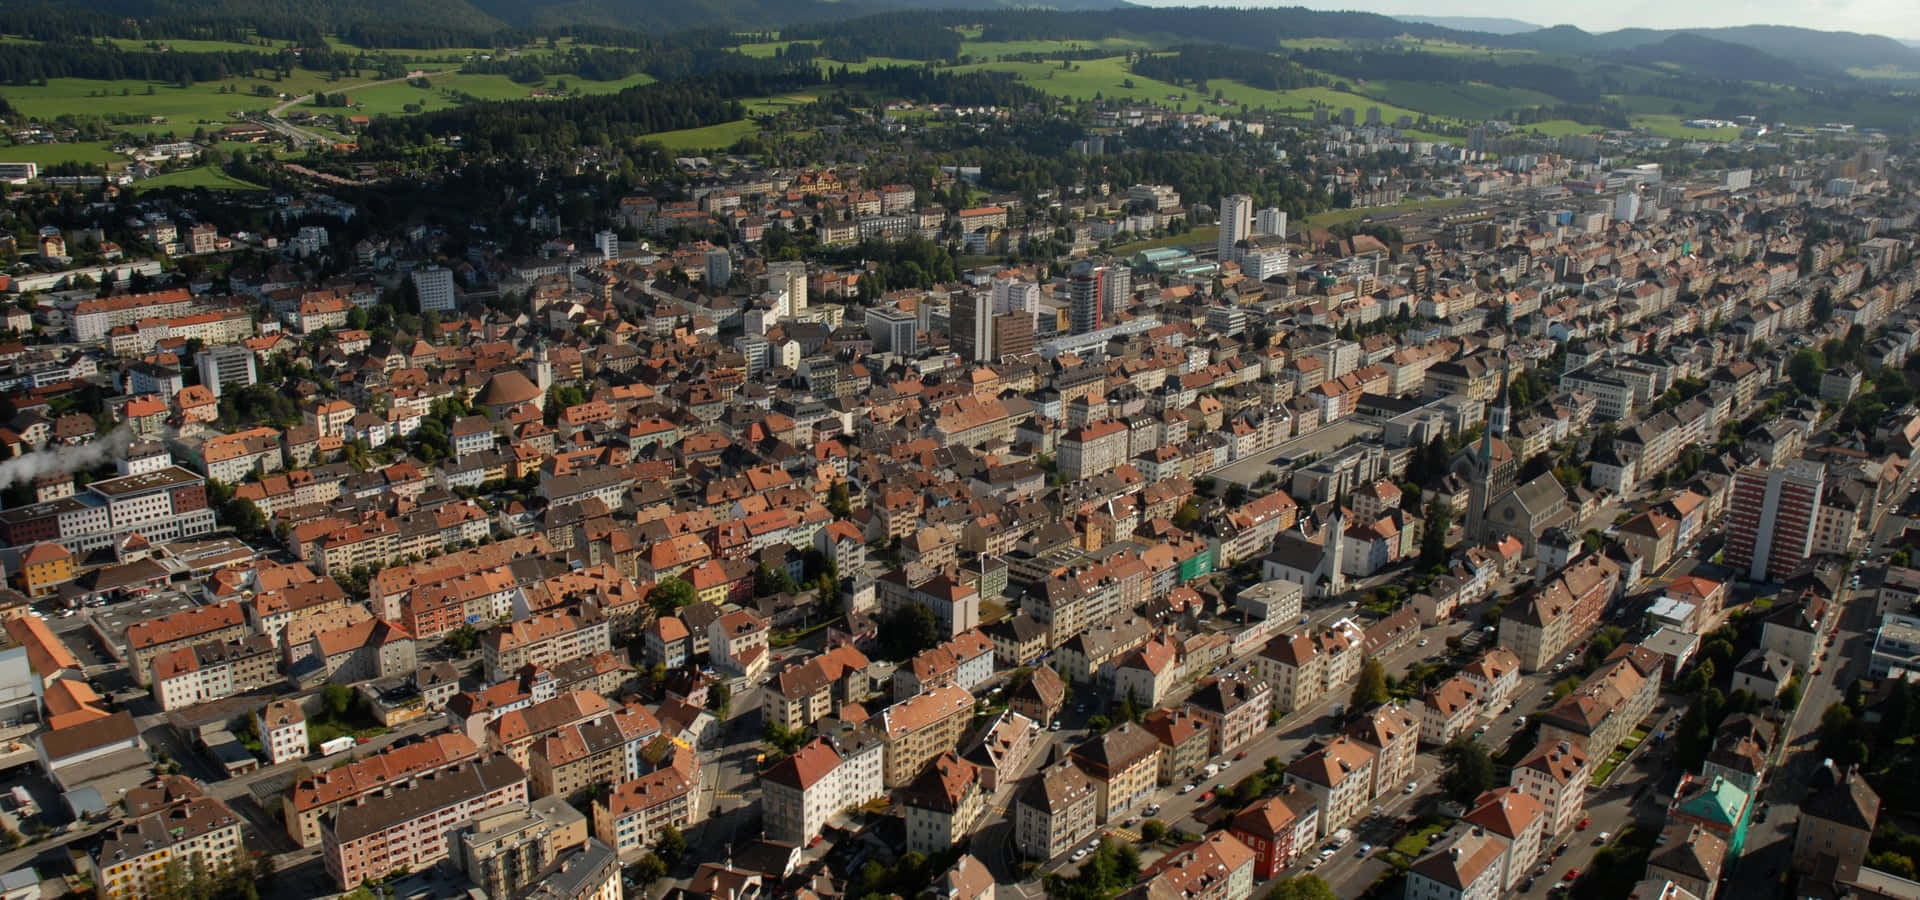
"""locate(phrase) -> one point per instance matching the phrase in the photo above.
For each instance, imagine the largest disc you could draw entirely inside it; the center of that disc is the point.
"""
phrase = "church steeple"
(1500, 417)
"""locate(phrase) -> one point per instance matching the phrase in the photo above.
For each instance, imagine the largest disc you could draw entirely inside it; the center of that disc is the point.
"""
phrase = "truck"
(337, 745)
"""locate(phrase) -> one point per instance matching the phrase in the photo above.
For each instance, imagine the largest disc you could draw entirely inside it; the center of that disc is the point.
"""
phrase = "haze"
(1868, 16)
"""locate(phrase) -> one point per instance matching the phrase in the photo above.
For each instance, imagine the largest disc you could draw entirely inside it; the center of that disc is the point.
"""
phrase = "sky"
(1891, 17)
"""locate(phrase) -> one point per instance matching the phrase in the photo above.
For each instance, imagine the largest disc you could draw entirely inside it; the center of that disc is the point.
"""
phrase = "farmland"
(198, 177)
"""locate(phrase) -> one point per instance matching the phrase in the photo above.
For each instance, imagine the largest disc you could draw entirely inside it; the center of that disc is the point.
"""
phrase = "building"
(1690, 857)
(1715, 804)
(1086, 301)
(1836, 823)
(1392, 732)
(1236, 224)
(1216, 867)
(1278, 830)
(971, 325)
(800, 793)
(1772, 518)
(433, 286)
(225, 365)
(942, 804)
(1232, 709)
(633, 815)
(44, 567)
(1093, 449)
(1055, 811)
(1608, 703)
(1184, 742)
(508, 849)
(315, 797)
(1339, 778)
(922, 727)
(1124, 764)
(1466, 866)
(1550, 618)
(282, 728)
(171, 827)
(893, 331)
(1556, 774)
(1519, 821)
(408, 828)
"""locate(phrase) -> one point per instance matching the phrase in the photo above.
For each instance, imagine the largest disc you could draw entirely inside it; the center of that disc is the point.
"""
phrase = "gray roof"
(426, 795)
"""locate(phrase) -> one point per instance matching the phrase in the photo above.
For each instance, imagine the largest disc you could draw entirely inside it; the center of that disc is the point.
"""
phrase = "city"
(1093, 452)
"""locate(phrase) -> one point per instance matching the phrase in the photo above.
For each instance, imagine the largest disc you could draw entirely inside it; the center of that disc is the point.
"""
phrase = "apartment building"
(1464, 867)
(509, 849)
(579, 757)
(1293, 665)
(1608, 704)
(1447, 709)
(1392, 732)
(1773, 517)
(1055, 811)
(515, 732)
(545, 639)
(942, 804)
(1495, 674)
(408, 826)
(1184, 742)
(1557, 774)
(1517, 820)
(171, 826)
(1551, 618)
(964, 660)
(1232, 709)
(1278, 830)
(814, 689)
(920, 728)
(1001, 747)
(1124, 764)
(282, 727)
(219, 622)
(1339, 778)
(1836, 823)
(1216, 867)
(631, 817)
(209, 671)
(1093, 449)
(739, 644)
(827, 775)
(315, 797)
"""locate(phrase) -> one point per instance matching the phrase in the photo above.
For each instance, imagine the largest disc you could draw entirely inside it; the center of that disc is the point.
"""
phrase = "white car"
(1423, 642)
(1187, 788)
(1078, 855)
(1411, 787)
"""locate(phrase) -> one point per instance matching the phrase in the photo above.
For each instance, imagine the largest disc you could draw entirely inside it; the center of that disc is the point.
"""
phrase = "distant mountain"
(1716, 59)
(1485, 24)
(1832, 50)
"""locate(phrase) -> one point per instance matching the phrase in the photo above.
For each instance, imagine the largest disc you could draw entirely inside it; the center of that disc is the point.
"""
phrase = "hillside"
(1831, 50)
(1483, 24)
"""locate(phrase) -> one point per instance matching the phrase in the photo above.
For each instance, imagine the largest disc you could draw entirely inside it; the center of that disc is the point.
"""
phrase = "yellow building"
(45, 567)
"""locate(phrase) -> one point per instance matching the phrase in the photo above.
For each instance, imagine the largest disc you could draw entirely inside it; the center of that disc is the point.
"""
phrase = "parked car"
(1078, 855)
(1601, 839)
(1571, 876)
(1584, 822)
(1411, 787)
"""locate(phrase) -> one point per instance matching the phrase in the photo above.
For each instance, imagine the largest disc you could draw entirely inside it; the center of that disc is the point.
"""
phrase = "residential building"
(1557, 774)
(1836, 823)
(942, 804)
(1216, 867)
(1466, 866)
(1518, 820)
(800, 793)
(410, 827)
(1690, 857)
(1124, 764)
(171, 826)
(631, 817)
(1771, 519)
(1233, 710)
(315, 797)
(282, 728)
(1055, 811)
(1339, 778)
(1278, 829)
(922, 727)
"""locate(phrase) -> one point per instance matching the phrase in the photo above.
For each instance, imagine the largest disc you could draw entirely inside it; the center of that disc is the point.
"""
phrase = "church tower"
(542, 369)
(1480, 492)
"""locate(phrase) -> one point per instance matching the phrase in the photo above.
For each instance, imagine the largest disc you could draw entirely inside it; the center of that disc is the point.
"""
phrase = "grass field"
(184, 108)
(1884, 73)
(49, 154)
(1675, 127)
(1458, 101)
(1334, 217)
(199, 177)
(392, 99)
(1203, 236)
(712, 137)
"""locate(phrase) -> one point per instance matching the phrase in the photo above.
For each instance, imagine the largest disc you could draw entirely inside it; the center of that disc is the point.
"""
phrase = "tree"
(338, 698)
(1433, 540)
(671, 846)
(244, 517)
(670, 595)
(1301, 887)
(908, 630)
(1370, 689)
(463, 640)
(1153, 831)
(650, 869)
(1471, 770)
(719, 698)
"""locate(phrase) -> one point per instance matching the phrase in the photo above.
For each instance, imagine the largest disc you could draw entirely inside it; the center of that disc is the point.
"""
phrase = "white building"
(434, 286)
(802, 791)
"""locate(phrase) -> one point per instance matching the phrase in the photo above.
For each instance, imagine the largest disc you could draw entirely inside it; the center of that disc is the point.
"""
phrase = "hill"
(1831, 50)
(1482, 24)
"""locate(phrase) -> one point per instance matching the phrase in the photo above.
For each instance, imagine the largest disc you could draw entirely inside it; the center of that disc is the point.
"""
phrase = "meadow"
(198, 177)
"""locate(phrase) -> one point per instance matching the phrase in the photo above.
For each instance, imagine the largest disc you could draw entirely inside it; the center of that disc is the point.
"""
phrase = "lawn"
(760, 106)
(184, 109)
(1674, 127)
(711, 137)
(445, 91)
(1415, 842)
(198, 177)
(1203, 236)
(49, 154)
(1461, 101)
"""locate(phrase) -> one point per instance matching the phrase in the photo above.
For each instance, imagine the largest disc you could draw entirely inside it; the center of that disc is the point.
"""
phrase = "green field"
(712, 137)
(1460, 101)
(995, 49)
(198, 177)
(445, 90)
(1334, 217)
(184, 109)
(49, 154)
(187, 45)
(1675, 127)
(1885, 73)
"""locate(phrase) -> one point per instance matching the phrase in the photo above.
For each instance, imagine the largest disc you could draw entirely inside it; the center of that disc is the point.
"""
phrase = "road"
(301, 136)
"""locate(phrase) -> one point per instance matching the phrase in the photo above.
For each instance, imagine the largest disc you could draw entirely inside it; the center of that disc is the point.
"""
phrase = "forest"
(899, 36)
(1201, 62)
(1436, 68)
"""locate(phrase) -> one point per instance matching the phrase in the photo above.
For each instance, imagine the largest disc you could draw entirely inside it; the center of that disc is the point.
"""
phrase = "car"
(1240, 756)
(1584, 822)
(1571, 876)
(1153, 810)
(1816, 669)
(814, 843)
(1055, 726)
(1129, 823)
(1220, 788)
(1423, 642)
(1364, 850)
(1411, 787)
(1187, 788)
(1377, 810)
(1520, 722)
(1078, 855)
(1527, 885)
(1542, 870)
(1562, 849)
(1477, 732)
(1079, 707)
(1601, 838)
(1206, 796)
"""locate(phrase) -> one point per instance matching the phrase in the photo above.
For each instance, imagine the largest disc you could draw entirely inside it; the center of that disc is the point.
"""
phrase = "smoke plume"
(103, 449)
